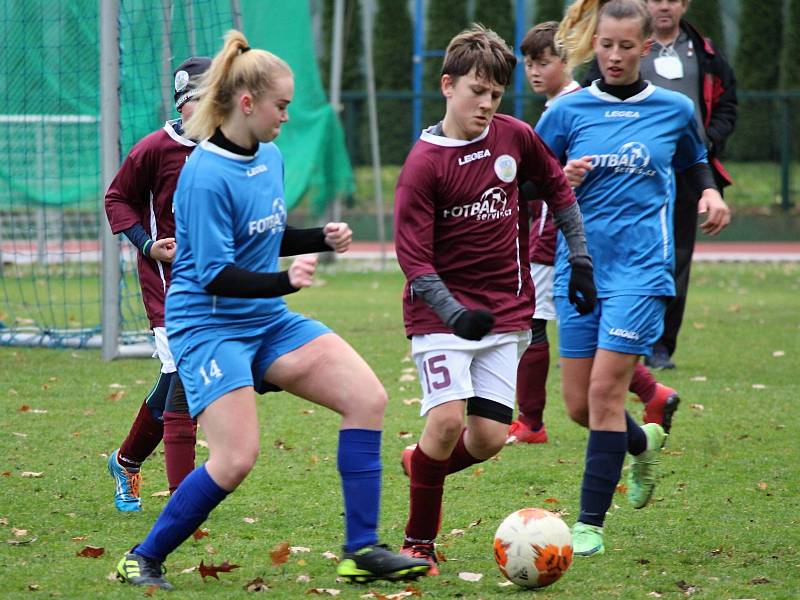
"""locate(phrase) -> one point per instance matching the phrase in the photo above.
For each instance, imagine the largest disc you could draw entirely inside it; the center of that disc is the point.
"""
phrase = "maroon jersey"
(543, 228)
(142, 193)
(457, 215)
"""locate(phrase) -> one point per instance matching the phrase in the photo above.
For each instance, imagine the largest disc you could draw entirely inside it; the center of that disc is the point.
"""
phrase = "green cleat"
(139, 570)
(378, 562)
(642, 476)
(587, 540)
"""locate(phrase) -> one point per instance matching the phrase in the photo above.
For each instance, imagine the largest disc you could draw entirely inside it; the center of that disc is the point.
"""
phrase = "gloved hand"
(473, 324)
(582, 292)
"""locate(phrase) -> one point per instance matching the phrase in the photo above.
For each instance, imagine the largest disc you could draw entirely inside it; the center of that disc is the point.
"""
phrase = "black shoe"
(659, 359)
(378, 562)
(140, 570)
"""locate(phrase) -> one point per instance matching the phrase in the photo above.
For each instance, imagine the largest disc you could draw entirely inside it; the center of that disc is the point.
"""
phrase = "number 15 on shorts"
(437, 376)
(213, 371)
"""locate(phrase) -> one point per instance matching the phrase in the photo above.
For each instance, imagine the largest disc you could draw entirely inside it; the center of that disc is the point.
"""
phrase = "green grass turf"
(724, 523)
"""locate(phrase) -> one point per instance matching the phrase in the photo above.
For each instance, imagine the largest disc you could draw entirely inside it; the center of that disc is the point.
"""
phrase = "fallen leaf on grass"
(622, 488)
(115, 396)
(91, 552)
(298, 549)
(478, 472)
(411, 401)
(249, 520)
(3, 521)
(759, 386)
(505, 584)
(474, 524)
(324, 591)
(467, 576)
(21, 542)
(19, 532)
(201, 443)
(257, 585)
(778, 353)
(759, 580)
(697, 406)
(403, 435)
(762, 485)
(303, 579)
(407, 377)
(698, 325)
(330, 556)
(456, 532)
(189, 570)
(688, 588)
(212, 570)
(162, 494)
(32, 474)
(33, 587)
(279, 554)
(5, 474)
(550, 500)
(281, 445)
(200, 533)
(655, 595)
(699, 378)
(307, 411)
(24, 408)
(151, 589)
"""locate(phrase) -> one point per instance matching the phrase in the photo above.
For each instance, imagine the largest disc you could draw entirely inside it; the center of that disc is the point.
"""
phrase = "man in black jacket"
(681, 59)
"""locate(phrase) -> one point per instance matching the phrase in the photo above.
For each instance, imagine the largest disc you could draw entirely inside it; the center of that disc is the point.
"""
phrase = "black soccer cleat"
(378, 562)
(140, 570)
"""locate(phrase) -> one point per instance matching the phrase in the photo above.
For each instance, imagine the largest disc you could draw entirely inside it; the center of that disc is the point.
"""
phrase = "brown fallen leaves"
(279, 554)
(91, 552)
(212, 570)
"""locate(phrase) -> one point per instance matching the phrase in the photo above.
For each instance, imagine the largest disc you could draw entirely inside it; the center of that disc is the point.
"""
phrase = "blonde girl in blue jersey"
(231, 332)
(621, 140)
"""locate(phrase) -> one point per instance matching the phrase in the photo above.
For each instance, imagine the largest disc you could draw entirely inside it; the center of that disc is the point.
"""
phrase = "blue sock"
(605, 454)
(637, 440)
(359, 462)
(196, 496)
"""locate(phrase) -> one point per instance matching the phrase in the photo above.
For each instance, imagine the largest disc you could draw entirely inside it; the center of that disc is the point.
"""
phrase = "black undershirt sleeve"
(241, 283)
(699, 177)
(303, 241)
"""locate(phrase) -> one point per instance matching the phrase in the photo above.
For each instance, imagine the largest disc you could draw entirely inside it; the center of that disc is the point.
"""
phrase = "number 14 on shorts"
(213, 371)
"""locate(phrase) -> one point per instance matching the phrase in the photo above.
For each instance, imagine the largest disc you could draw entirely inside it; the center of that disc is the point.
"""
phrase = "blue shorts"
(213, 362)
(627, 324)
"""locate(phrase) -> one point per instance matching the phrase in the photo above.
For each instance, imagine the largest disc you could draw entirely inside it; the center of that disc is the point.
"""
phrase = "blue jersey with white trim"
(229, 210)
(627, 199)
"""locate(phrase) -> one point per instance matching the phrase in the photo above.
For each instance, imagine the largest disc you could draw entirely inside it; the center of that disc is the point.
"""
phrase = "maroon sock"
(427, 487)
(180, 435)
(643, 384)
(143, 438)
(532, 384)
(461, 458)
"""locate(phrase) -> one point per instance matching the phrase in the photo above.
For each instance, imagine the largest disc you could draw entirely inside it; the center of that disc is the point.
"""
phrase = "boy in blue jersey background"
(231, 332)
(621, 140)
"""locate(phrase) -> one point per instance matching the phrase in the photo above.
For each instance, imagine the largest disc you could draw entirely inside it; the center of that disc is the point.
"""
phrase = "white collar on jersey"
(211, 147)
(440, 140)
(601, 95)
(174, 134)
(572, 86)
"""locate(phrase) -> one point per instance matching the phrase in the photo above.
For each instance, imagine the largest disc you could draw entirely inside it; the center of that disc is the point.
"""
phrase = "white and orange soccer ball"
(533, 547)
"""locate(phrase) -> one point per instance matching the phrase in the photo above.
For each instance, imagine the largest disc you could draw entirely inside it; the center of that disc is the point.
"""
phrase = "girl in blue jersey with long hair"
(231, 332)
(621, 140)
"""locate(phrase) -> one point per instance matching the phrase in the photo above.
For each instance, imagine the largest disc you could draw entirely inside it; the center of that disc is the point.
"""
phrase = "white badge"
(669, 66)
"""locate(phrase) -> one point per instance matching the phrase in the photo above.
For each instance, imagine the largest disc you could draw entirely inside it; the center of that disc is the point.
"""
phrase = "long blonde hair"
(235, 67)
(577, 28)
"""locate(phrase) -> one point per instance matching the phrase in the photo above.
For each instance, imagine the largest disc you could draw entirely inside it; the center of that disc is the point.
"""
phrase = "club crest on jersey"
(492, 205)
(505, 167)
(181, 80)
(468, 158)
(631, 158)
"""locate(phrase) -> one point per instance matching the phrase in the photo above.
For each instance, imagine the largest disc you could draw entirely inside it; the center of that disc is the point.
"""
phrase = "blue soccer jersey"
(627, 199)
(229, 210)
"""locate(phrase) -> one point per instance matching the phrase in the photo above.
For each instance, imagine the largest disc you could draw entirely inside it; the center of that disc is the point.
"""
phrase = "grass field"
(724, 523)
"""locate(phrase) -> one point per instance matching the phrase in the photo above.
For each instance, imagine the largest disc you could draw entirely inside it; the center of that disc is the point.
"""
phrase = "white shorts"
(452, 368)
(542, 276)
(162, 350)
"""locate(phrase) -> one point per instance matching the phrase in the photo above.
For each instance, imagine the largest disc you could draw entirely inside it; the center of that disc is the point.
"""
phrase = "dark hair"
(539, 39)
(483, 50)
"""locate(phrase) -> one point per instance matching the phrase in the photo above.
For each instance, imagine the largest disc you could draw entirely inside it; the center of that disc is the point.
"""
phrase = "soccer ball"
(533, 547)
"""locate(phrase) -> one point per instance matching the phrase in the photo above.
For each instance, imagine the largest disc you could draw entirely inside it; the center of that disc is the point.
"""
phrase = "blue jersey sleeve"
(551, 128)
(210, 231)
(690, 149)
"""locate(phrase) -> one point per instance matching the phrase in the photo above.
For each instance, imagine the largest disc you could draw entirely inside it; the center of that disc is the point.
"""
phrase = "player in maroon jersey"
(462, 241)
(139, 204)
(548, 74)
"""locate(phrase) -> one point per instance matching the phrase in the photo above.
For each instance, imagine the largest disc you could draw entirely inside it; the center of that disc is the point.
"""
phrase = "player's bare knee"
(579, 414)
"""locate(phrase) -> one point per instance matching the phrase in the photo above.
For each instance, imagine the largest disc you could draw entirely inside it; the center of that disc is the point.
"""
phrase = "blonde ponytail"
(236, 67)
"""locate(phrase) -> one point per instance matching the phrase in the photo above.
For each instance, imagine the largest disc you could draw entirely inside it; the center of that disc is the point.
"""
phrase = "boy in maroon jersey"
(139, 204)
(548, 74)
(462, 241)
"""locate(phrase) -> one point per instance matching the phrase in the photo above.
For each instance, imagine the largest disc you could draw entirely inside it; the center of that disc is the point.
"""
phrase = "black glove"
(473, 324)
(582, 292)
